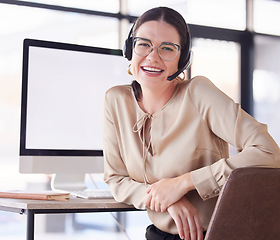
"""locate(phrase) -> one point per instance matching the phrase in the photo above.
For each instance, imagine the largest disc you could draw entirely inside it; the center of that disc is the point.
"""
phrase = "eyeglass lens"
(167, 51)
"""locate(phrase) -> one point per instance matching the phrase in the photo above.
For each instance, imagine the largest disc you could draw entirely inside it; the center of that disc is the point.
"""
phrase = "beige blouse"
(190, 134)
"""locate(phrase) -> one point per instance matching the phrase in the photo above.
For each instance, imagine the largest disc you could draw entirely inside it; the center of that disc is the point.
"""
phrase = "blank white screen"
(65, 97)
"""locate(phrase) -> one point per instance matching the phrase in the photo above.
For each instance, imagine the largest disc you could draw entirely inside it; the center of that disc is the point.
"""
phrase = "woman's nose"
(153, 55)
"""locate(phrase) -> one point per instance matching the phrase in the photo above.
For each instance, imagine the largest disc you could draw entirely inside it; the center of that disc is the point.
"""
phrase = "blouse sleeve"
(225, 118)
(123, 187)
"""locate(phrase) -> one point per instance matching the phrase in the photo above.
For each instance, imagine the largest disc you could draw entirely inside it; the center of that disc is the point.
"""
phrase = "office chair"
(248, 207)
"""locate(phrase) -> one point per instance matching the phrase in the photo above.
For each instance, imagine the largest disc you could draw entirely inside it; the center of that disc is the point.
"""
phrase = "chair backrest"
(248, 207)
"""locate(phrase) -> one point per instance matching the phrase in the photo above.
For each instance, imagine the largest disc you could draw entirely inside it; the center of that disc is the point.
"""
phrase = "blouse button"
(206, 196)
(217, 191)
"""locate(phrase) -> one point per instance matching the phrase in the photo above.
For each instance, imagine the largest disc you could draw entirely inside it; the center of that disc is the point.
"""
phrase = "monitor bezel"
(27, 43)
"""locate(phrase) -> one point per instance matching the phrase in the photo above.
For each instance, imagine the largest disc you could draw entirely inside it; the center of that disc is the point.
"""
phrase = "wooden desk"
(73, 205)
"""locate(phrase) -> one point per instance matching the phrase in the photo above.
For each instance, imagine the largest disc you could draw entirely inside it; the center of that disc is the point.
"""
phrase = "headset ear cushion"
(184, 60)
(127, 49)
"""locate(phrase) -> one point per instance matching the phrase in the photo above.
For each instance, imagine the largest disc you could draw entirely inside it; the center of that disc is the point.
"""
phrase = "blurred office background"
(236, 43)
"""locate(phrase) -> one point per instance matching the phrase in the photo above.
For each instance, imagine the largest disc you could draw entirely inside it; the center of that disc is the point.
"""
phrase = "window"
(17, 23)
(220, 62)
(266, 16)
(218, 13)
(104, 5)
(266, 83)
(136, 7)
(102, 26)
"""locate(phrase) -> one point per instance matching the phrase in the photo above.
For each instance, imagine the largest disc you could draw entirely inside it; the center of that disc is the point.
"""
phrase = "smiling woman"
(166, 138)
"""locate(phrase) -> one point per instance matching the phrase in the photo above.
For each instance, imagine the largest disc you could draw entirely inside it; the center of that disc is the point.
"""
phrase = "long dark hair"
(171, 17)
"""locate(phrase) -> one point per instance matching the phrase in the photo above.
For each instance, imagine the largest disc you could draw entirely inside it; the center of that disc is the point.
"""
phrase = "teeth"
(150, 69)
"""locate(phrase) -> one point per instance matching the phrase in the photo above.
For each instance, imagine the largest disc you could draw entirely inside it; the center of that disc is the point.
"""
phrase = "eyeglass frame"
(152, 47)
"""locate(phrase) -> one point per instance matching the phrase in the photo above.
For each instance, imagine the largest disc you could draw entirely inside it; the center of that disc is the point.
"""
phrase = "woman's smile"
(152, 71)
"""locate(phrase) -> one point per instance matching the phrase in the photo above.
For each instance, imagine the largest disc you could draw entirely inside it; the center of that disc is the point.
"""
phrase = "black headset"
(185, 58)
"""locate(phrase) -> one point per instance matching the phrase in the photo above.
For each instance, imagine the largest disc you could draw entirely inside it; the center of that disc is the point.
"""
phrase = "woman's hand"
(165, 192)
(186, 219)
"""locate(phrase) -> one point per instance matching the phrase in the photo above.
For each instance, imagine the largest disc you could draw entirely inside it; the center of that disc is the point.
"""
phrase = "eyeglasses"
(166, 50)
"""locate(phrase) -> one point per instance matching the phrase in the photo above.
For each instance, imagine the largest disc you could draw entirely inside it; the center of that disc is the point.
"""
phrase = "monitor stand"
(68, 182)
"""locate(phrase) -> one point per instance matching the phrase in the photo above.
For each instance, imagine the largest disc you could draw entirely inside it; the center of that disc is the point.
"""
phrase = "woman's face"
(152, 71)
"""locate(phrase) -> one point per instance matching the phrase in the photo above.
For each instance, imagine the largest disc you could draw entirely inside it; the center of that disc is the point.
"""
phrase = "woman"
(166, 139)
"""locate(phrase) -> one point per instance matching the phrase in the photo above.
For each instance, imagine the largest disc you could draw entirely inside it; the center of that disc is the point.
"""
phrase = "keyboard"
(92, 194)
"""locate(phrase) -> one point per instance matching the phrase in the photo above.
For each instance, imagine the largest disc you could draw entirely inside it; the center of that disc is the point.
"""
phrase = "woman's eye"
(166, 48)
(144, 44)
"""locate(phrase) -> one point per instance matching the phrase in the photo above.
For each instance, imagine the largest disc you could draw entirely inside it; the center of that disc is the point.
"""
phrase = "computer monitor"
(63, 88)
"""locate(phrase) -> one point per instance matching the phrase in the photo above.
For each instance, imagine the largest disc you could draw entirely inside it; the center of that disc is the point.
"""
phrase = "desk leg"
(30, 225)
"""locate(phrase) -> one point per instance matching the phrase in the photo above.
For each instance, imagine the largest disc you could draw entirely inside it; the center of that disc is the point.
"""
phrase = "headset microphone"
(179, 71)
